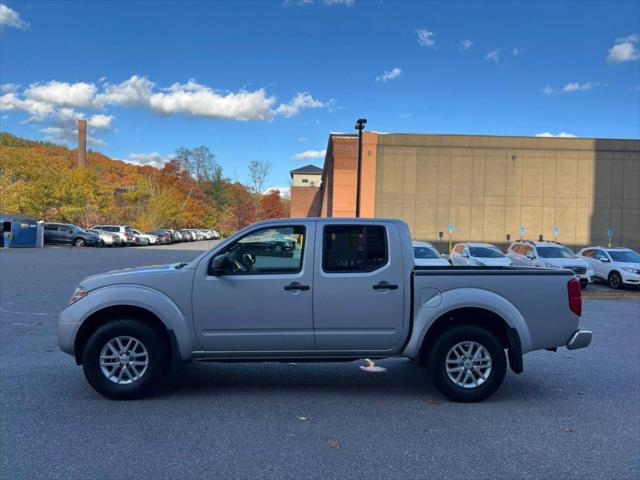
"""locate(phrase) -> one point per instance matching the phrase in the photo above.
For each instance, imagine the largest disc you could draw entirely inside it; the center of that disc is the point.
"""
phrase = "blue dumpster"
(23, 231)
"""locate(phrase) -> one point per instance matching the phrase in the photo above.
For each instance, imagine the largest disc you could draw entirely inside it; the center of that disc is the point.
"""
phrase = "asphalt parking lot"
(570, 415)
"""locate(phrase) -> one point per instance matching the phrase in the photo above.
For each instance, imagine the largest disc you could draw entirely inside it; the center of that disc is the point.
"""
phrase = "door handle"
(296, 286)
(385, 286)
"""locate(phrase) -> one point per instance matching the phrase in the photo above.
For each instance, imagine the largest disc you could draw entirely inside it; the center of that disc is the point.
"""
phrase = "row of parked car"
(121, 235)
(619, 266)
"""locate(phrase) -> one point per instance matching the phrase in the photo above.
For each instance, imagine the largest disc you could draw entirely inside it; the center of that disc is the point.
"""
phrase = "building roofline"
(505, 136)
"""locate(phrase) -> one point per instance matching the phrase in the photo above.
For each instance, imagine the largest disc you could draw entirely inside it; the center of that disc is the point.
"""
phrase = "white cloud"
(516, 51)
(135, 91)
(193, 99)
(54, 103)
(578, 87)
(389, 75)
(153, 159)
(285, 192)
(309, 154)
(300, 101)
(426, 38)
(100, 121)
(559, 135)
(465, 45)
(69, 135)
(625, 49)
(570, 87)
(8, 88)
(493, 55)
(79, 94)
(11, 18)
(37, 110)
(302, 139)
(335, 3)
(633, 38)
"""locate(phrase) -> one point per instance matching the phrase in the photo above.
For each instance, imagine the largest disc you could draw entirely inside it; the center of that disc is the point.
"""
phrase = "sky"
(270, 80)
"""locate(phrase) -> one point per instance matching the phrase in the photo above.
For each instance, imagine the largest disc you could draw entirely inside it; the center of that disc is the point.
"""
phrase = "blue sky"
(269, 80)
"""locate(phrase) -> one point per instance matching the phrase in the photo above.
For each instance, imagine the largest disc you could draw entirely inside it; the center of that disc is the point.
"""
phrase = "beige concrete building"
(487, 186)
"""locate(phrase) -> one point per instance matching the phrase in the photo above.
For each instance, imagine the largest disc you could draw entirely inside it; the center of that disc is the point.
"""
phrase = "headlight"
(79, 292)
(630, 270)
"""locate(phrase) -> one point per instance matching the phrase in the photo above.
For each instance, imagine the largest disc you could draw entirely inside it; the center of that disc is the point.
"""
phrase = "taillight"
(126, 234)
(575, 296)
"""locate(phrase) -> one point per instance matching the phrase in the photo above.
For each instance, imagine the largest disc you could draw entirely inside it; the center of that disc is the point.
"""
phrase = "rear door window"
(354, 248)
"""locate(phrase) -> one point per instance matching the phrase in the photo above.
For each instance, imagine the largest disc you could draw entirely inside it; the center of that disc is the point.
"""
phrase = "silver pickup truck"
(318, 289)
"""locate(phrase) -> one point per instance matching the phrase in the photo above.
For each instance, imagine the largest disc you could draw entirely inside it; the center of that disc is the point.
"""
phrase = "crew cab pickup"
(319, 289)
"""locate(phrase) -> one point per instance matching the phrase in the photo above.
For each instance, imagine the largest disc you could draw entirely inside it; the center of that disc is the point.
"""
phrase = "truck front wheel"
(467, 363)
(125, 359)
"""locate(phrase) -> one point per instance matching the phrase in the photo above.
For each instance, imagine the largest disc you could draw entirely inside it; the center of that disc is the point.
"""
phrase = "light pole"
(360, 123)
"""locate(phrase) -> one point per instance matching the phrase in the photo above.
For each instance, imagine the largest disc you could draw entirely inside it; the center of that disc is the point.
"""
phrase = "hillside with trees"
(41, 180)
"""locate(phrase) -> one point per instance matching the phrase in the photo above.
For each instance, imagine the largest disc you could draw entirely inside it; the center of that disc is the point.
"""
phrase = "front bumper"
(630, 278)
(69, 322)
(580, 339)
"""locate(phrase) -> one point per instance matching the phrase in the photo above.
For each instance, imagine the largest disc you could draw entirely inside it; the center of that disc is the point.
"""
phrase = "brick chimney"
(82, 143)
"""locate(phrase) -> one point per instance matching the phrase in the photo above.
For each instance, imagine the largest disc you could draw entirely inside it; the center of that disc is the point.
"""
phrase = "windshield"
(485, 252)
(624, 256)
(425, 252)
(555, 252)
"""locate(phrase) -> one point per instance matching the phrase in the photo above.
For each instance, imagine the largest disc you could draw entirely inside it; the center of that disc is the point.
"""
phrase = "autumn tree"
(271, 205)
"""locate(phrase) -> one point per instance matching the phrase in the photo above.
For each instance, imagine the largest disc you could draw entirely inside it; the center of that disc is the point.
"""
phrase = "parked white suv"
(548, 254)
(427, 256)
(617, 266)
(478, 254)
(123, 231)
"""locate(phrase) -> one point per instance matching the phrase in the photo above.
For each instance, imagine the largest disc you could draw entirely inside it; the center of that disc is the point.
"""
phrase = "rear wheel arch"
(478, 317)
(107, 314)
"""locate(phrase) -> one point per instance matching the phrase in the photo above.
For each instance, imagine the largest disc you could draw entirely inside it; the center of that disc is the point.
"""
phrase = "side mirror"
(531, 257)
(465, 255)
(604, 260)
(220, 265)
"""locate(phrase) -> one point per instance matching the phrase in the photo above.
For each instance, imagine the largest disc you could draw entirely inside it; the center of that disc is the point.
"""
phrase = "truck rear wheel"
(467, 363)
(125, 359)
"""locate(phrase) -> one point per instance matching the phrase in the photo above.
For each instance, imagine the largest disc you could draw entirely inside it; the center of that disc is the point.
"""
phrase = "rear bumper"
(580, 339)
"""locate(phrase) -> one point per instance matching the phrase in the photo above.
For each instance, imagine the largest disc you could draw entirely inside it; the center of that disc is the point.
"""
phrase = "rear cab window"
(354, 248)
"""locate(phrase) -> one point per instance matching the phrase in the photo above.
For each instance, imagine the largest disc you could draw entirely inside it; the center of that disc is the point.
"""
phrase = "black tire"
(157, 352)
(615, 281)
(437, 363)
(100, 243)
(79, 242)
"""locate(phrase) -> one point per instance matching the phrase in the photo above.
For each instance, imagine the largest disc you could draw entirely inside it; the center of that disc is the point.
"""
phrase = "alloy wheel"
(124, 359)
(468, 364)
